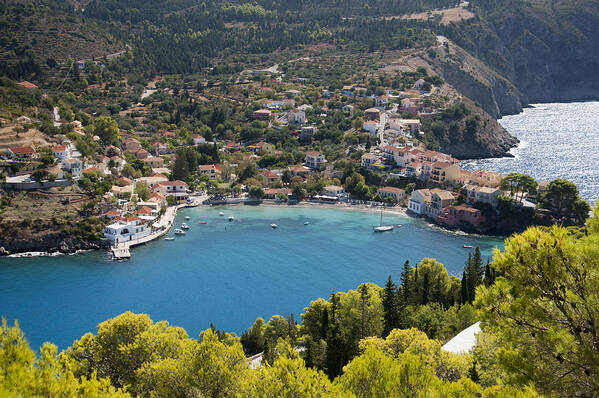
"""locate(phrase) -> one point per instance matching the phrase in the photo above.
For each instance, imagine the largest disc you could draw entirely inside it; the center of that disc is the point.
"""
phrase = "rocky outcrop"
(47, 242)
(474, 79)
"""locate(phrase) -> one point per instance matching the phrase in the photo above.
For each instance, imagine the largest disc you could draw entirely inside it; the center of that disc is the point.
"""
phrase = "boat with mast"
(381, 227)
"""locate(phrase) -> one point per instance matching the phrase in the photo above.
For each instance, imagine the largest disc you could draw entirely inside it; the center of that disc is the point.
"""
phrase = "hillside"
(36, 39)
(546, 49)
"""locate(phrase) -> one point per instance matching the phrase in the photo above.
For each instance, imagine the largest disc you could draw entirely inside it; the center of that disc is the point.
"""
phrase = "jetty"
(121, 250)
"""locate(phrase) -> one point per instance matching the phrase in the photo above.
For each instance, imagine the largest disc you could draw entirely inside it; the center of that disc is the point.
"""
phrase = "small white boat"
(399, 225)
(306, 223)
(467, 246)
(221, 214)
(231, 218)
(202, 222)
(184, 226)
(187, 217)
(273, 226)
(381, 227)
(179, 232)
(169, 238)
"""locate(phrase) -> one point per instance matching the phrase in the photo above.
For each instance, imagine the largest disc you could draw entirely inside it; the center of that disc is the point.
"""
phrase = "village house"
(160, 148)
(126, 230)
(132, 145)
(211, 170)
(299, 171)
(307, 132)
(270, 177)
(154, 162)
(418, 200)
(61, 152)
(454, 216)
(198, 139)
(348, 109)
(153, 180)
(74, 167)
(261, 114)
(372, 114)
(315, 160)
(440, 200)
(485, 178)
(177, 188)
(273, 104)
(391, 192)
(159, 199)
(273, 193)
(477, 194)
(369, 160)
(414, 169)
(21, 152)
(406, 125)
(261, 147)
(371, 126)
(445, 173)
(296, 116)
(334, 191)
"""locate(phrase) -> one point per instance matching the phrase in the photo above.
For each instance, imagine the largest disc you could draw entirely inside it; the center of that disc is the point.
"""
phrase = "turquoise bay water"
(557, 141)
(227, 273)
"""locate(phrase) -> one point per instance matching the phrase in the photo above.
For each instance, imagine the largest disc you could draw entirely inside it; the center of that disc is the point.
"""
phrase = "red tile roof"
(22, 150)
(27, 84)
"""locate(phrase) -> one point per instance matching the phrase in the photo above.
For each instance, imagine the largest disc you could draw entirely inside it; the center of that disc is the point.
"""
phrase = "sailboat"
(381, 227)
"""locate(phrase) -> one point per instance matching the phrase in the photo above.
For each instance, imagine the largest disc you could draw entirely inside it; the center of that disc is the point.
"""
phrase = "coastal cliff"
(546, 50)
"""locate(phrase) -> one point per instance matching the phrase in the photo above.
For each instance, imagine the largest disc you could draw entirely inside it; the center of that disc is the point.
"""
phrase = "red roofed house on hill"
(21, 152)
(177, 188)
(27, 84)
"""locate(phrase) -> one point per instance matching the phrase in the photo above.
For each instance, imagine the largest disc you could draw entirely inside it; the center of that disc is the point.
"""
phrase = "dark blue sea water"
(557, 141)
(225, 276)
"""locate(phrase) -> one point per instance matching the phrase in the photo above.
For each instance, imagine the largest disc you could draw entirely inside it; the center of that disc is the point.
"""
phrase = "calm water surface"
(557, 141)
(221, 272)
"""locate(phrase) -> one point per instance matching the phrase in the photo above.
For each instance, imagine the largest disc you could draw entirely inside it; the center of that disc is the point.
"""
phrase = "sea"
(556, 141)
(222, 272)
(230, 273)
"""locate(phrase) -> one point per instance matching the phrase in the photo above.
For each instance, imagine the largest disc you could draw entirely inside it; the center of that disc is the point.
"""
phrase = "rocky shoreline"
(48, 246)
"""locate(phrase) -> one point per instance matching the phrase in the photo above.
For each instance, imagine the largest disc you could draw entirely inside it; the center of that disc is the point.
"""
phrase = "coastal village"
(383, 160)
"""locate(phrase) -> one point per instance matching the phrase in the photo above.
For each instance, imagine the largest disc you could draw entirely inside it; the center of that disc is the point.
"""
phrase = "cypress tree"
(390, 307)
(405, 281)
(425, 288)
(464, 288)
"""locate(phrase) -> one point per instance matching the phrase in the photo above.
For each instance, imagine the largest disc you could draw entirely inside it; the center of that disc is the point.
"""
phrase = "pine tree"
(405, 281)
(390, 307)
(425, 288)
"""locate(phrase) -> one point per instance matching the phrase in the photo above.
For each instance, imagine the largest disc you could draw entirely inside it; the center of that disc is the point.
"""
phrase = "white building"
(61, 152)
(177, 188)
(334, 191)
(296, 116)
(315, 160)
(126, 230)
(198, 139)
(371, 126)
(419, 199)
(73, 166)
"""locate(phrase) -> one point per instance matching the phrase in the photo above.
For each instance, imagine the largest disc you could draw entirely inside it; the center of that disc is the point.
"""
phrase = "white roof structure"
(464, 341)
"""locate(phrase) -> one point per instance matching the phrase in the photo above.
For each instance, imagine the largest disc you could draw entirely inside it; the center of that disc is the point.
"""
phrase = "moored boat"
(231, 218)
(169, 238)
(187, 217)
(179, 232)
(273, 226)
(202, 222)
(381, 227)
(221, 214)
(184, 226)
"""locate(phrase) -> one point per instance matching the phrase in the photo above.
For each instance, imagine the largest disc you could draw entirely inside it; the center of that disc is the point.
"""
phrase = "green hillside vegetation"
(37, 37)
(539, 320)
